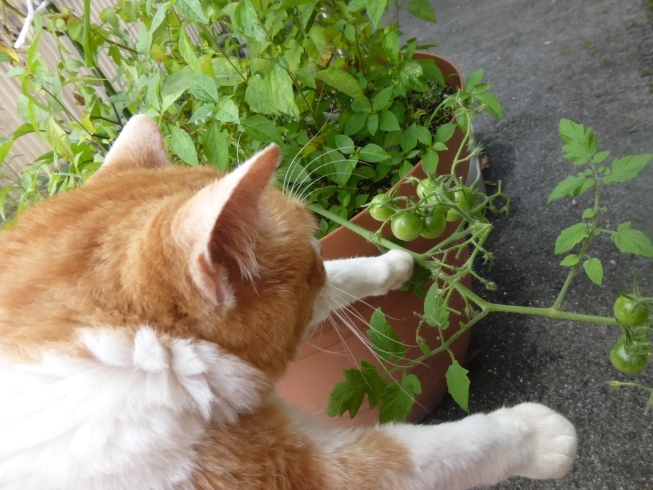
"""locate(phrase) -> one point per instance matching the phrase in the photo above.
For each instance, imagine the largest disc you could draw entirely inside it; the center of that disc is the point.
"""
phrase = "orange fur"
(116, 253)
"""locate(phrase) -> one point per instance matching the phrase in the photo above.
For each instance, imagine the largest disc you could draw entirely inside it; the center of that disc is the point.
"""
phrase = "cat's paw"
(394, 268)
(548, 441)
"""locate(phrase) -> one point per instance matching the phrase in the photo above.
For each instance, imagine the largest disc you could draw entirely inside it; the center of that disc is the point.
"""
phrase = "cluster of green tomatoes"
(630, 354)
(428, 217)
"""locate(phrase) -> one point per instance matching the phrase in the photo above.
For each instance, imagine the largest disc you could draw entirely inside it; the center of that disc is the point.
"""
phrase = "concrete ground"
(590, 61)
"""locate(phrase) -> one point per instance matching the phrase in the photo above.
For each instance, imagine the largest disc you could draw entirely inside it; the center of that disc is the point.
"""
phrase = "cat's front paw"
(548, 441)
(394, 268)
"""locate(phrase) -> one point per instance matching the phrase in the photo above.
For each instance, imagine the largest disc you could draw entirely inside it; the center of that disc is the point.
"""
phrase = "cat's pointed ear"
(140, 145)
(221, 221)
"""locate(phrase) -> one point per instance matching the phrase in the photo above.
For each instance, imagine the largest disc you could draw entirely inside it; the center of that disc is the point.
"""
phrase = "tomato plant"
(434, 224)
(625, 360)
(380, 207)
(406, 226)
(629, 312)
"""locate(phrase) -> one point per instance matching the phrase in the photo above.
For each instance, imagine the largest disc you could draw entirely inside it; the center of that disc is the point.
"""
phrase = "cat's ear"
(140, 145)
(221, 221)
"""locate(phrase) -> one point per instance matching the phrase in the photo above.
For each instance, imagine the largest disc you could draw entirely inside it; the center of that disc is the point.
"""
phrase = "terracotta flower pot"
(320, 361)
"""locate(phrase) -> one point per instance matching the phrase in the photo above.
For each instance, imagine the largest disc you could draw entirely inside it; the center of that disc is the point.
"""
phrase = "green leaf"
(202, 112)
(445, 132)
(435, 308)
(568, 187)
(305, 76)
(571, 236)
(187, 52)
(216, 147)
(227, 111)
(430, 162)
(382, 99)
(348, 395)
(356, 5)
(345, 144)
(375, 9)
(492, 104)
(588, 213)
(372, 153)
(203, 88)
(258, 96)
(570, 260)
(423, 135)
(373, 123)
(281, 91)
(4, 149)
(594, 270)
(408, 139)
(261, 129)
(422, 9)
(388, 122)
(355, 123)
(58, 140)
(343, 167)
(144, 40)
(458, 385)
(159, 17)
(245, 20)
(89, 61)
(627, 168)
(182, 145)
(192, 9)
(342, 81)
(384, 340)
(600, 156)
(581, 144)
(390, 45)
(473, 79)
(398, 399)
(632, 241)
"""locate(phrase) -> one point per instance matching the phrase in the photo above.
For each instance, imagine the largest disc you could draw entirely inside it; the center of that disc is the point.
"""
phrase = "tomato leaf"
(398, 399)
(570, 260)
(627, 168)
(632, 241)
(384, 340)
(571, 236)
(192, 9)
(458, 384)
(594, 270)
(261, 129)
(435, 308)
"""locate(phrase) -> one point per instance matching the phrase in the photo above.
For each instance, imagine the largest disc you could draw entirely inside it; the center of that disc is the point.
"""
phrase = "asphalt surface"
(590, 61)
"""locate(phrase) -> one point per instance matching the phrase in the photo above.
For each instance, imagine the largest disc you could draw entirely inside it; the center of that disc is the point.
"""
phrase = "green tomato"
(406, 226)
(452, 215)
(425, 188)
(625, 362)
(434, 225)
(628, 312)
(379, 209)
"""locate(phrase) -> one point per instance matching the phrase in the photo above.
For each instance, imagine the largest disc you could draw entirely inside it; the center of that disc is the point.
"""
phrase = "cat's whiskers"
(314, 170)
(294, 161)
(308, 186)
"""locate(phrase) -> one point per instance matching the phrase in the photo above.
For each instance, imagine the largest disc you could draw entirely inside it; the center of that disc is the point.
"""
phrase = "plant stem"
(465, 292)
(572, 272)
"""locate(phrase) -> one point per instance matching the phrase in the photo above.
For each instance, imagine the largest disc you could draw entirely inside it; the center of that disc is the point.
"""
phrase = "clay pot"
(320, 361)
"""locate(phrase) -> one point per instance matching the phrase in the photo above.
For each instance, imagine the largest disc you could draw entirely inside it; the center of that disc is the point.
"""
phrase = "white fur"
(527, 440)
(351, 279)
(126, 418)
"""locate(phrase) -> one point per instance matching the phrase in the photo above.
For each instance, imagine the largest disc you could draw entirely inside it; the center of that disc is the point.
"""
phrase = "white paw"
(548, 441)
(395, 268)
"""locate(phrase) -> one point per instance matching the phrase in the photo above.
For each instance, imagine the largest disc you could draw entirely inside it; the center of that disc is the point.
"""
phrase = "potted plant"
(354, 110)
(356, 113)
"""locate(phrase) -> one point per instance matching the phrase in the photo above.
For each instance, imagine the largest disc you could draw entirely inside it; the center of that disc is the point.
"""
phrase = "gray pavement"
(590, 61)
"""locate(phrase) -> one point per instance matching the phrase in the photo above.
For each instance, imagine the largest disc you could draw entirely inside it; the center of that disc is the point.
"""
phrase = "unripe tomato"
(379, 207)
(625, 362)
(425, 188)
(406, 226)
(628, 312)
(434, 225)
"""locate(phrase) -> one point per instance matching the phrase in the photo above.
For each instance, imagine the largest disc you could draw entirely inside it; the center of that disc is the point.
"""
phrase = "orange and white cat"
(145, 318)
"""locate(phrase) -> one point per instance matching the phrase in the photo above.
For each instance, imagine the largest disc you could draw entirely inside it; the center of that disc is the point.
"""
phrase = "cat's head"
(188, 251)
